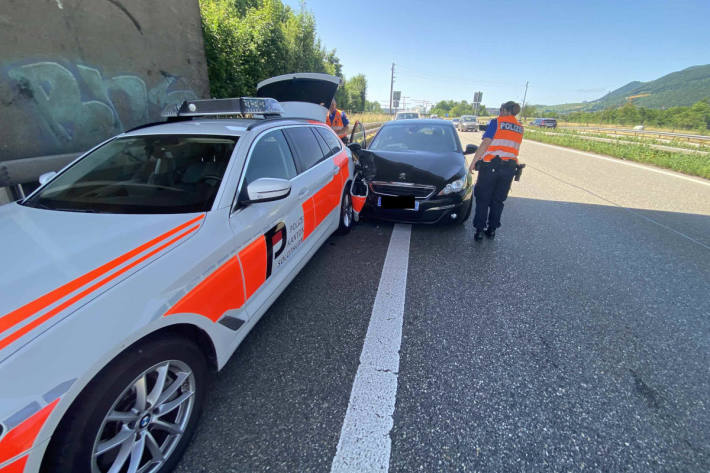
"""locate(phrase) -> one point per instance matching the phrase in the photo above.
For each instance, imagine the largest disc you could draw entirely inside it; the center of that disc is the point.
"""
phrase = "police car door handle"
(336, 170)
(303, 193)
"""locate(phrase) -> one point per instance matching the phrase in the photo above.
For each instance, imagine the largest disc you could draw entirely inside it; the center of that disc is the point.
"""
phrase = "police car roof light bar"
(267, 107)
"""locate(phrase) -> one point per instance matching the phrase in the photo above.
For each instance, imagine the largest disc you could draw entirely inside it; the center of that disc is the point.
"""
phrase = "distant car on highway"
(406, 116)
(455, 122)
(434, 115)
(544, 122)
(468, 123)
(140, 267)
(417, 173)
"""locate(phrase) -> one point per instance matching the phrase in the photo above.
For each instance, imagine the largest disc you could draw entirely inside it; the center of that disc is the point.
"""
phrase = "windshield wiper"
(87, 211)
(40, 205)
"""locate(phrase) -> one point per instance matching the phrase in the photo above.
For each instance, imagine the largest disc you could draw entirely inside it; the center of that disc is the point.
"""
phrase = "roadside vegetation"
(456, 109)
(688, 163)
(370, 117)
(695, 118)
(675, 143)
(247, 41)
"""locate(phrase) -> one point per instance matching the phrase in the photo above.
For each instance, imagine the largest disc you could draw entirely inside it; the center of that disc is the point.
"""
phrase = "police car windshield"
(416, 137)
(142, 174)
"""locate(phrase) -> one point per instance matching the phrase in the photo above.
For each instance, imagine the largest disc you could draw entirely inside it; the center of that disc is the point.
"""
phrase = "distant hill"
(680, 88)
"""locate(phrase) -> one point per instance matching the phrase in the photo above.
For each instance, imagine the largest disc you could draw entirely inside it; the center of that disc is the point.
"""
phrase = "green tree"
(373, 107)
(247, 41)
(356, 89)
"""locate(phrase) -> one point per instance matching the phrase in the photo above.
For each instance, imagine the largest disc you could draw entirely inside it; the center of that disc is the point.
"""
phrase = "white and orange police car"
(145, 262)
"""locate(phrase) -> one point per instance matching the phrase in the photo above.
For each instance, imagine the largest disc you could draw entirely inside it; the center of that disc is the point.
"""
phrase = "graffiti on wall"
(78, 106)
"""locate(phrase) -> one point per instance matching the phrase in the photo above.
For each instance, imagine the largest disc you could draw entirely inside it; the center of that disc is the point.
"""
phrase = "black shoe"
(490, 232)
(478, 236)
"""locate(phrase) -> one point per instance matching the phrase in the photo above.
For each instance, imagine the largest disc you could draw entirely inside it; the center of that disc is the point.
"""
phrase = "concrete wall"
(75, 72)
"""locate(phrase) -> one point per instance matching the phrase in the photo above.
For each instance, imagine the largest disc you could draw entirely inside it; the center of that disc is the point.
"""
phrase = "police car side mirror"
(46, 177)
(470, 149)
(267, 189)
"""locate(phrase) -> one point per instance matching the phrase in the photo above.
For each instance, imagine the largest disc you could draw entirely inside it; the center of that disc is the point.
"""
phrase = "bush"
(247, 41)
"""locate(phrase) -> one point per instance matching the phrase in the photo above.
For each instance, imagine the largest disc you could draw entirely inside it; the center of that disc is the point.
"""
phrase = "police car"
(144, 264)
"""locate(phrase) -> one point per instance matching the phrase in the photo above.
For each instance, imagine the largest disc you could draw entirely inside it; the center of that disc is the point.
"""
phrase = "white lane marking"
(627, 163)
(365, 444)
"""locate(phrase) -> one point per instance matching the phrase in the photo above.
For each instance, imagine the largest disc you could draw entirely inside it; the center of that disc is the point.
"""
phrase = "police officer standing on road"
(498, 155)
(337, 120)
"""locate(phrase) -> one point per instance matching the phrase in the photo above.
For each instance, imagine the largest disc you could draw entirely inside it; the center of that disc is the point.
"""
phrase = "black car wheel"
(137, 415)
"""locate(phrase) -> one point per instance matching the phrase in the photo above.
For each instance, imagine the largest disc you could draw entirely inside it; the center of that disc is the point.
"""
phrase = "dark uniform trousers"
(491, 190)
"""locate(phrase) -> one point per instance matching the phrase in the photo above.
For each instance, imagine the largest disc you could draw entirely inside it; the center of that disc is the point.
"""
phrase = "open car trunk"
(301, 94)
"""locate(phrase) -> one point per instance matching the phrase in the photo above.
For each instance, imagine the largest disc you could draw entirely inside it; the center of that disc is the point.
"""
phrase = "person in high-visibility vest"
(498, 155)
(337, 120)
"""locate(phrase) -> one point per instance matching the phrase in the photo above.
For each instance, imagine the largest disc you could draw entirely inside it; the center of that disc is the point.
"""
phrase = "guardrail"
(372, 128)
(702, 139)
(24, 171)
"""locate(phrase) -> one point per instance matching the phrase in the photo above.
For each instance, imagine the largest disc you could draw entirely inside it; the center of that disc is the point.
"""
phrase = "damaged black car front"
(416, 172)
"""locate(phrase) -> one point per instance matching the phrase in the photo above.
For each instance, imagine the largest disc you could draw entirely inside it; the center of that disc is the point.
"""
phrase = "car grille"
(419, 191)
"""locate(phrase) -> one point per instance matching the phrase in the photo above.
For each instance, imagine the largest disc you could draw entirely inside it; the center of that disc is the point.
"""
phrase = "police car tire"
(343, 226)
(72, 444)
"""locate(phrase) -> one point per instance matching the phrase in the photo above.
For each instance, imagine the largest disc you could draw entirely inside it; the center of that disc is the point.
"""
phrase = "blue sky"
(568, 50)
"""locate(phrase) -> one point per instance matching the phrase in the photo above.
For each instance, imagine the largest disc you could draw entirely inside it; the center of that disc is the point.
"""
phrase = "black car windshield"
(142, 174)
(416, 137)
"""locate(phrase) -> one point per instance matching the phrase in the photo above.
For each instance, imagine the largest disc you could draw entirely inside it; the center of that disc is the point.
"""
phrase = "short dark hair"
(511, 107)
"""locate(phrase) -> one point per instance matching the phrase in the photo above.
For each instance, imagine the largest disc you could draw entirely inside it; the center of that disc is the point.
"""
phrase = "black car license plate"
(397, 202)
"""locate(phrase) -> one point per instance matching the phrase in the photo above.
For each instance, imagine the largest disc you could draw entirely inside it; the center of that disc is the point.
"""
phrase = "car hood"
(419, 167)
(51, 258)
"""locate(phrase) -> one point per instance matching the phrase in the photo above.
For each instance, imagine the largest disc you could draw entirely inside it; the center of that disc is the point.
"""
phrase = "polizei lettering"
(511, 127)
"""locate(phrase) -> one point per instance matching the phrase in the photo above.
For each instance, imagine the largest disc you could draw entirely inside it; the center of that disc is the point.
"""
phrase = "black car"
(416, 173)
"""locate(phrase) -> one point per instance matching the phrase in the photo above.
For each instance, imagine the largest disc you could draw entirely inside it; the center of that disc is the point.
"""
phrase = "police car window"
(305, 148)
(323, 146)
(270, 157)
(333, 142)
(142, 174)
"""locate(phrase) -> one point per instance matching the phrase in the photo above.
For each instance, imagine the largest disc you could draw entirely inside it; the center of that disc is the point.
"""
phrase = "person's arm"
(480, 153)
(487, 138)
(346, 122)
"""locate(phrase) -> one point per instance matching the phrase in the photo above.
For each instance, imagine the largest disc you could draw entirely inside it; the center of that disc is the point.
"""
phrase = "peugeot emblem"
(402, 176)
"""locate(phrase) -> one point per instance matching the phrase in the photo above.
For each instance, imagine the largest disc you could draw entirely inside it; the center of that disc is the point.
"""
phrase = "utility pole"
(391, 87)
(525, 95)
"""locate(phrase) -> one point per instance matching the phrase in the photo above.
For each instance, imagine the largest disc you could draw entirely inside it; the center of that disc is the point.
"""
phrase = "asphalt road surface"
(577, 340)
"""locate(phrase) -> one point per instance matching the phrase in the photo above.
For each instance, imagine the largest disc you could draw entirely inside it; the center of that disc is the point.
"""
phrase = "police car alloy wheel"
(346, 213)
(138, 415)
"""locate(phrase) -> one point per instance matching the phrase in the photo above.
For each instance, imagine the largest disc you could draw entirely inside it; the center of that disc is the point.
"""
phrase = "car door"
(262, 230)
(319, 182)
(359, 135)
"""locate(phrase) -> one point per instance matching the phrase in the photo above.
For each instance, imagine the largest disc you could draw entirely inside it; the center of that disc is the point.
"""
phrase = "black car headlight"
(454, 187)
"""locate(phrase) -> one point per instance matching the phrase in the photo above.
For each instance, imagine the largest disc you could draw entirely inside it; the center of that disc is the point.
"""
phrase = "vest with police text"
(507, 139)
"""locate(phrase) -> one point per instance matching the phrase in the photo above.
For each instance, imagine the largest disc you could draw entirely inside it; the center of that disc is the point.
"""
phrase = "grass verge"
(687, 163)
(629, 138)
